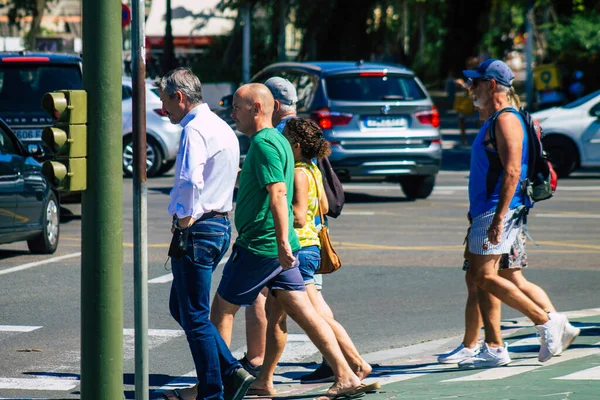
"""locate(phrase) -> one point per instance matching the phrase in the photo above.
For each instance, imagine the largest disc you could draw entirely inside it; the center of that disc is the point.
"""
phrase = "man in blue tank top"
(497, 205)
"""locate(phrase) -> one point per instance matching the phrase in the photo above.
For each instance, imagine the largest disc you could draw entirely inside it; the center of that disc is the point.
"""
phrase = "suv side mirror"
(226, 101)
(35, 150)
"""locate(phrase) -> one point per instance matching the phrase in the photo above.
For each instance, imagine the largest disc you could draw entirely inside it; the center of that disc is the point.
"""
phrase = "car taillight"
(430, 117)
(436, 141)
(328, 119)
(373, 73)
(161, 112)
(25, 59)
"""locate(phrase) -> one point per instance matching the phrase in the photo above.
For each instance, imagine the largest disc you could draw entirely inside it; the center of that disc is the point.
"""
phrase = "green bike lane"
(416, 375)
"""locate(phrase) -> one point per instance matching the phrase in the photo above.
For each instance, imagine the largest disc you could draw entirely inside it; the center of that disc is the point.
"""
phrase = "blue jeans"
(190, 304)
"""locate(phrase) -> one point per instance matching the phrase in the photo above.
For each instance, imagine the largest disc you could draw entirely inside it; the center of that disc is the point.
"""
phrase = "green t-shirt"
(269, 160)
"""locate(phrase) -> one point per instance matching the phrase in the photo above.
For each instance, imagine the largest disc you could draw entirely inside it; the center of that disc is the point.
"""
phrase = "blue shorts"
(246, 273)
(309, 258)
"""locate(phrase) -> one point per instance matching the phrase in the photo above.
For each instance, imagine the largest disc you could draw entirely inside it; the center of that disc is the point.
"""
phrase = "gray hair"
(182, 80)
(286, 109)
(513, 97)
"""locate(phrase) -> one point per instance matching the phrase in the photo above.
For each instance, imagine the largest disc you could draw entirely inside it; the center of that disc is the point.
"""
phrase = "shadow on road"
(368, 198)
(6, 254)
(67, 215)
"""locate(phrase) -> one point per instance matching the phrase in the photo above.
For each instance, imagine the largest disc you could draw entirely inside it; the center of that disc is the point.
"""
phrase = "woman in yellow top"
(308, 144)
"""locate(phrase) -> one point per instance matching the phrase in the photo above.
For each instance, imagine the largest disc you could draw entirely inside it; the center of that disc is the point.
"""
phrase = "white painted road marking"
(520, 367)
(38, 383)
(169, 277)
(585, 375)
(38, 263)
(18, 328)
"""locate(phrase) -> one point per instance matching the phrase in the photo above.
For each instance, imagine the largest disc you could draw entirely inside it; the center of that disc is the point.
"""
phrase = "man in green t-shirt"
(264, 253)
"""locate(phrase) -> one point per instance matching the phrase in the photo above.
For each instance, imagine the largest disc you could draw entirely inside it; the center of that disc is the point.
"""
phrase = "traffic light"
(67, 139)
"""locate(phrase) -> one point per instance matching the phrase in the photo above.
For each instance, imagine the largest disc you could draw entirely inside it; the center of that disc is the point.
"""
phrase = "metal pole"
(246, 45)
(102, 206)
(140, 201)
(529, 55)
(168, 48)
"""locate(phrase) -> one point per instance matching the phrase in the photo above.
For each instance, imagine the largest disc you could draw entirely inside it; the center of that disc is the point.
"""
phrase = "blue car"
(29, 208)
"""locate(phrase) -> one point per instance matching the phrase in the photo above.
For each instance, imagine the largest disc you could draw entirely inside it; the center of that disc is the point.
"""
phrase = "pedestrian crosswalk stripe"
(18, 328)
(585, 375)
(527, 365)
(38, 383)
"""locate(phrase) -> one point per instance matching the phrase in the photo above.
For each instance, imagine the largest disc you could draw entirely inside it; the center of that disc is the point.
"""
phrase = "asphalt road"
(400, 284)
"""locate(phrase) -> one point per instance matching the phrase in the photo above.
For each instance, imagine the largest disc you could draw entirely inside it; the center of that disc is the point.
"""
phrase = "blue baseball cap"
(492, 69)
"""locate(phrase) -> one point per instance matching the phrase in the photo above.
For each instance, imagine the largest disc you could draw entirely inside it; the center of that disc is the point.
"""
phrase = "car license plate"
(28, 134)
(386, 122)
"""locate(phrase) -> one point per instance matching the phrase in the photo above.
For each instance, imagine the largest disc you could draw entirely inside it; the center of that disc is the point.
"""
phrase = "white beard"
(476, 102)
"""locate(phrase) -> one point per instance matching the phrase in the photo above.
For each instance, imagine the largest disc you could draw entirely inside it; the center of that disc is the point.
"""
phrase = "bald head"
(252, 108)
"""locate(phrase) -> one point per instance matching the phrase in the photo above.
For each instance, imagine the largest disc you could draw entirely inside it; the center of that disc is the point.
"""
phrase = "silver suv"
(379, 119)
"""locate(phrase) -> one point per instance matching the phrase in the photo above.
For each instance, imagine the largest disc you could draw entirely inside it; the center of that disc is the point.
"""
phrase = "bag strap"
(318, 195)
(492, 139)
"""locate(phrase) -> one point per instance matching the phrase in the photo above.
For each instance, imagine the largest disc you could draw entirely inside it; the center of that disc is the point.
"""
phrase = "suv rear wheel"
(417, 187)
(47, 241)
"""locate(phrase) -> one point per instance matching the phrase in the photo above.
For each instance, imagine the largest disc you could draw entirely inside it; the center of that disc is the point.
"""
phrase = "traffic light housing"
(66, 139)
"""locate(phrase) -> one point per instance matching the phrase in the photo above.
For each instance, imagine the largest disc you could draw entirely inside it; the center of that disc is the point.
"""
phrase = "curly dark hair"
(310, 137)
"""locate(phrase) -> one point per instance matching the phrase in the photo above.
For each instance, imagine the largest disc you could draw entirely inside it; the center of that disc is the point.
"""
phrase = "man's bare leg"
(360, 367)
(256, 329)
(490, 307)
(473, 322)
(487, 278)
(221, 315)
(276, 338)
(298, 306)
(530, 289)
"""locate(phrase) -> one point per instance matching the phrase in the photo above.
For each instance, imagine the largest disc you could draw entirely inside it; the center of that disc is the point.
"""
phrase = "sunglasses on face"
(475, 82)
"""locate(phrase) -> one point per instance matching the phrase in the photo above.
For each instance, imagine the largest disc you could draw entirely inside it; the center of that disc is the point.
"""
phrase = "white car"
(572, 134)
(162, 137)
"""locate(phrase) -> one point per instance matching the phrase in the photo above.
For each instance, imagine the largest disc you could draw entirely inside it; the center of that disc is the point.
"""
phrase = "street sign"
(546, 77)
(125, 15)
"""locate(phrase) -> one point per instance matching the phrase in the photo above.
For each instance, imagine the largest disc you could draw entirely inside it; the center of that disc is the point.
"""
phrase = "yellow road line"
(575, 245)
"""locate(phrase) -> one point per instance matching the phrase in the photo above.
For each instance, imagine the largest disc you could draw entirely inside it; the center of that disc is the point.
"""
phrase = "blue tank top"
(486, 173)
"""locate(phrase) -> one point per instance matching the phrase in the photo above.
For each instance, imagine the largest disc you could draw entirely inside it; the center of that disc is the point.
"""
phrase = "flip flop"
(356, 393)
(256, 392)
(188, 393)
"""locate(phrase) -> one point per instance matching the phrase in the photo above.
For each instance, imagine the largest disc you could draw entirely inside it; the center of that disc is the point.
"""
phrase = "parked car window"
(23, 86)
(595, 111)
(127, 92)
(373, 88)
(306, 85)
(582, 100)
(7, 144)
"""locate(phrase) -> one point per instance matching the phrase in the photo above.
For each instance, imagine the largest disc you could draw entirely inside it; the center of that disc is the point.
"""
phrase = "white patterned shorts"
(515, 259)
(477, 238)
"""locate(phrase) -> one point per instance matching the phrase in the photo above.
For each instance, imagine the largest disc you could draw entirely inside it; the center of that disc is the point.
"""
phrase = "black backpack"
(541, 180)
(333, 188)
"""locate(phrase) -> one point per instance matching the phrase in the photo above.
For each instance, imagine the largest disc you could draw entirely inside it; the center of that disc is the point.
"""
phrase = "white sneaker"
(555, 336)
(568, 337)
(459, 354)
(488, 357)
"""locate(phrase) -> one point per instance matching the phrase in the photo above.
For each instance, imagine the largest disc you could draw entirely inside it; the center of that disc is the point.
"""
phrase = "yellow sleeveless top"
(309, 233)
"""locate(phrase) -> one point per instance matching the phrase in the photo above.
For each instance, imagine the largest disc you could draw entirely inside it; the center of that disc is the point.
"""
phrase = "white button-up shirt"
(206, 166)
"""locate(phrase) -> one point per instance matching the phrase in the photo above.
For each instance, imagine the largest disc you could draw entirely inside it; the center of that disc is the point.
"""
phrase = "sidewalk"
(413, 372)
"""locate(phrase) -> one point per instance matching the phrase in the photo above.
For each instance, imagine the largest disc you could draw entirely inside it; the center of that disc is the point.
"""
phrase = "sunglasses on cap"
(476, 81)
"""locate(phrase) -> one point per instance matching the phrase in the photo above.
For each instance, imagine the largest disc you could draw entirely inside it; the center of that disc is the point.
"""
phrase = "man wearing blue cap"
(497, 205)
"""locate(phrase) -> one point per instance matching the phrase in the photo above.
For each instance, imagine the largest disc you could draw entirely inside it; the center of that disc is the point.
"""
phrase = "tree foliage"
(20, 9)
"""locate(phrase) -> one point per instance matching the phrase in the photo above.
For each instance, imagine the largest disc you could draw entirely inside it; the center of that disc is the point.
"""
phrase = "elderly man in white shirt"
(205, 175)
